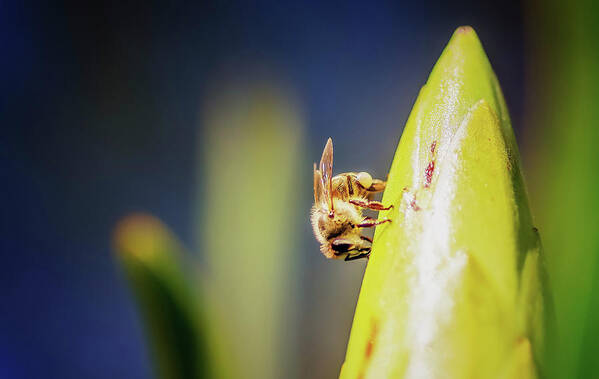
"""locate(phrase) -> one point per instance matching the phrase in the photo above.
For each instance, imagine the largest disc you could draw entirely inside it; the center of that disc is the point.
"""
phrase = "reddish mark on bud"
(370, 344)
(428, 174)
(433, 146)
(374, 331)
(414, 205)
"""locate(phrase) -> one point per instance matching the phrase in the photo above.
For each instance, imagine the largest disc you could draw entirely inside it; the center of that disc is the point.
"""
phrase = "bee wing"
(326, 172)
(318, 195)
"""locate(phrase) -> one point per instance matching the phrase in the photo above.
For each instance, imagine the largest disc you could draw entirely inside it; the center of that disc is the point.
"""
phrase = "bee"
(336, 216)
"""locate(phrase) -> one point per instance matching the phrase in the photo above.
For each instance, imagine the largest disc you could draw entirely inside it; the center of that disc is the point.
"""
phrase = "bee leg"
(377, 186)
(375, 205)
(357, 256)
(370, 222)
(365, 238)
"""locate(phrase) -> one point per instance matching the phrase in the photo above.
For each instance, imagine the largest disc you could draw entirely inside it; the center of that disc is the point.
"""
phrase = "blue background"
(99, 113)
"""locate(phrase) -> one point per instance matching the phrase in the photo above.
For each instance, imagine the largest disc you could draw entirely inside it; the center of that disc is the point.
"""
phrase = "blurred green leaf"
(248, 222)
(562, 142)
(152, 261)
(455, 285)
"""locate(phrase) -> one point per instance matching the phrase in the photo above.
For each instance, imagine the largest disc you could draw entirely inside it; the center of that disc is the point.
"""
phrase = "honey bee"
(336, 216)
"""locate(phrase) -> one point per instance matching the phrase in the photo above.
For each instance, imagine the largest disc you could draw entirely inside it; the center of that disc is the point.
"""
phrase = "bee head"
(341, 246)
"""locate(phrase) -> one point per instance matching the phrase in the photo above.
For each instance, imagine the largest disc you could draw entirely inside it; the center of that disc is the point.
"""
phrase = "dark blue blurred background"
(100, 113)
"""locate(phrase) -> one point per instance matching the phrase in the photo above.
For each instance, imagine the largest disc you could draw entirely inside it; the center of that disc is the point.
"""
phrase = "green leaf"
(152, 261)
(561, 152)
(252, 154)
(455, 284)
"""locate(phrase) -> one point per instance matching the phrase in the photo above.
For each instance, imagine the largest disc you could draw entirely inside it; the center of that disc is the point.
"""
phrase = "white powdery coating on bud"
(439, 268)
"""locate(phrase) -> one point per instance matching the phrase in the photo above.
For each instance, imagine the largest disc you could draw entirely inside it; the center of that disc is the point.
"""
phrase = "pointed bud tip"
(465, 62)
(466, 29)
(464, 36)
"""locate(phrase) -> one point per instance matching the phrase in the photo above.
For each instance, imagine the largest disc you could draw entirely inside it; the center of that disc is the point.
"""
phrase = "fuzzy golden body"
(336, 216)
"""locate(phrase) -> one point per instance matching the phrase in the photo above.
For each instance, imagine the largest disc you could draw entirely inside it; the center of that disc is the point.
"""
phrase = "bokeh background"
(209, 116)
